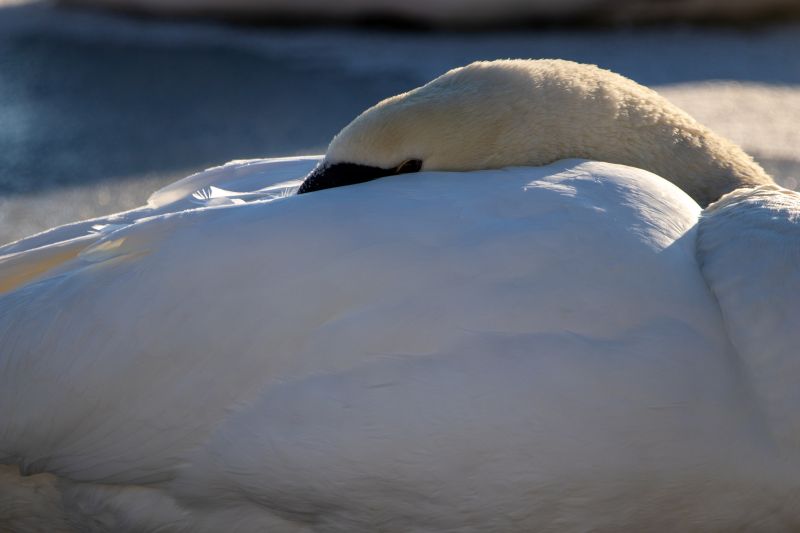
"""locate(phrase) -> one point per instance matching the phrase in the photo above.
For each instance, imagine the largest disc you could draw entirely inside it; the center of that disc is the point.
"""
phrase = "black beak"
(326, 176)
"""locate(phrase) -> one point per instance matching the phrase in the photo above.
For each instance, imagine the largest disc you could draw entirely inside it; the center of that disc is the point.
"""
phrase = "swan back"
(543, 356)
(513, 252)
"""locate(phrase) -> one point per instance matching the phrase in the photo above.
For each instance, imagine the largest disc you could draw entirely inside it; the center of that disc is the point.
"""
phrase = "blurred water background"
(99, 109)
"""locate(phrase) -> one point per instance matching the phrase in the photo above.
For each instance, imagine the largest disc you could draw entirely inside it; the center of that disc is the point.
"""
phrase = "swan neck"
(708, 167)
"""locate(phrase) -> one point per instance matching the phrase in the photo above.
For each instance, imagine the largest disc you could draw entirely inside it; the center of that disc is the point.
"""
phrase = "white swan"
(558, 348)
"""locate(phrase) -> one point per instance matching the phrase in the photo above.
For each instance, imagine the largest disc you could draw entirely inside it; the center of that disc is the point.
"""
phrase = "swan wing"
(749, 248)
(239, 176)
(236, 182)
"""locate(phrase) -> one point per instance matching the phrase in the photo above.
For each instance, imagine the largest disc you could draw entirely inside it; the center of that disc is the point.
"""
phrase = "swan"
(530, 113)
(519, 319)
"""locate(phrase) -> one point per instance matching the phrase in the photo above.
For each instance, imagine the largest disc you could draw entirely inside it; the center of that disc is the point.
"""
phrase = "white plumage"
(558, 348)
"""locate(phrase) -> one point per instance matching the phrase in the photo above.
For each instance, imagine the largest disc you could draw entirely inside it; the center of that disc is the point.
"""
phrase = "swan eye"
(409, 165)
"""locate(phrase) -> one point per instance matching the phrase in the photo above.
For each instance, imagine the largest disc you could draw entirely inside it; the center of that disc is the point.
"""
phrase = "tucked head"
(533, 112)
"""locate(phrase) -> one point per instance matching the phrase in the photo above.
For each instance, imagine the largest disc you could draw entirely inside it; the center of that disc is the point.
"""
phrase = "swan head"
(496, 114)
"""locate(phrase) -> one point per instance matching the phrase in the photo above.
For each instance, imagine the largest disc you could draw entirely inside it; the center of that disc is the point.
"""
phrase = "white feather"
(523, 349)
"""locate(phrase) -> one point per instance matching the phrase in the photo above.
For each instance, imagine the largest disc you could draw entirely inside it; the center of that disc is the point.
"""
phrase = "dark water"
(74, 112)
(91, 123)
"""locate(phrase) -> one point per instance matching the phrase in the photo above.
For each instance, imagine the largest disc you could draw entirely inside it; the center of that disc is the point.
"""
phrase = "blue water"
(97, 111)
(80, 113)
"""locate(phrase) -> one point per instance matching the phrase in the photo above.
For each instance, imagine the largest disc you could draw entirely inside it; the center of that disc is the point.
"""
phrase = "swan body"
(569, 347)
